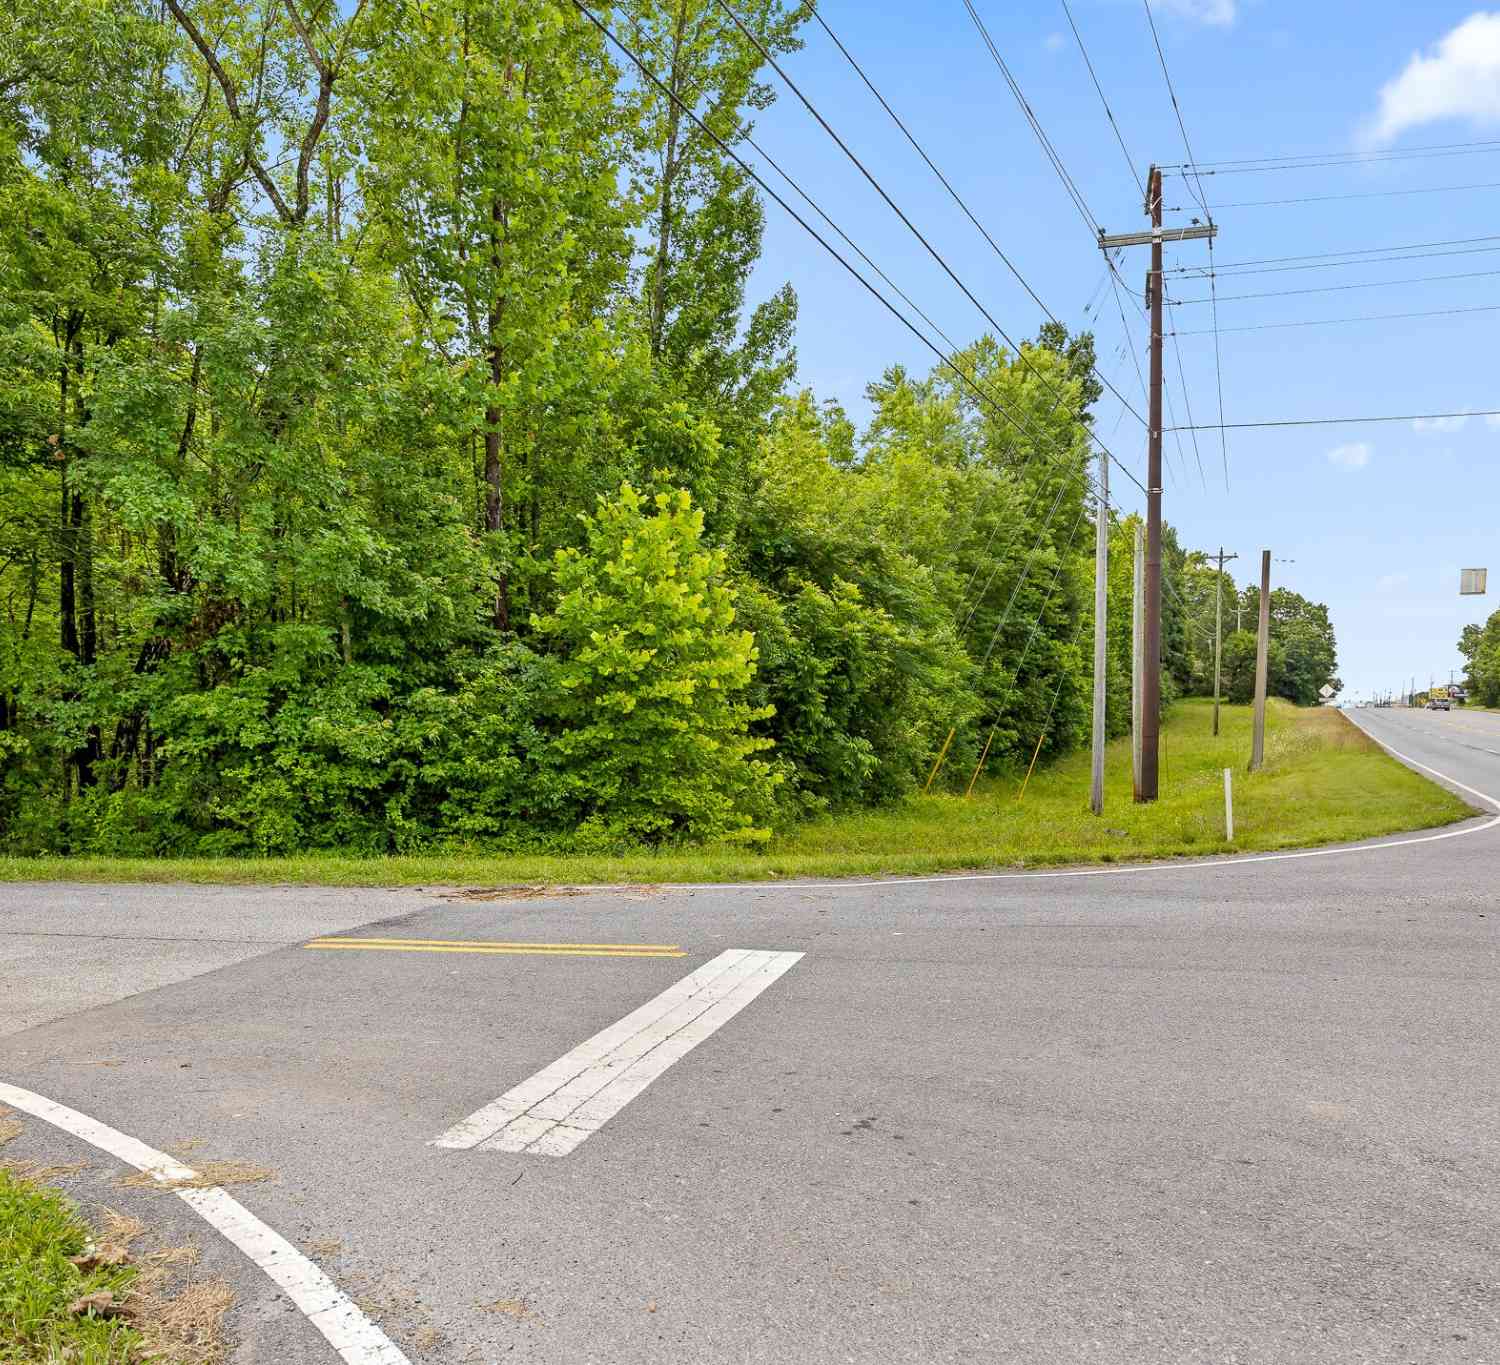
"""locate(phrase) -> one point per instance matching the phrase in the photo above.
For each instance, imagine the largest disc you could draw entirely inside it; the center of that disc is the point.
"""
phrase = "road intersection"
(1233, 1112)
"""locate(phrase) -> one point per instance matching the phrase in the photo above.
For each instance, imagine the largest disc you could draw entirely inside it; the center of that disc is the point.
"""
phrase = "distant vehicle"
(1439, 704)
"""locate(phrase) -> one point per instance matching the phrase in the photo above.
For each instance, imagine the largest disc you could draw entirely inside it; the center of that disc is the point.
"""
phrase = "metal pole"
(1101, 656)
(1151, 677)
(1262, 648)
(1219, 629)
(1229, 804)
(1218, 632)
(1137, 657)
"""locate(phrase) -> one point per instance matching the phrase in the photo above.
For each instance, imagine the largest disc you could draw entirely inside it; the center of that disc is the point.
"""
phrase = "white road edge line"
(357, 1340)
(568, 1101)
(1192, 865)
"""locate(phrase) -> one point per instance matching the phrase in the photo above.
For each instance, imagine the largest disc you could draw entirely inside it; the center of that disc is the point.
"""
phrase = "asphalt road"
(1235, 1113)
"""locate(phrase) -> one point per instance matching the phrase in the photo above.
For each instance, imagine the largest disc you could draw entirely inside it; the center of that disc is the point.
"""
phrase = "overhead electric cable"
(942, 180)
(1355, 421)
(1353, 251)
(1108, 112)
(1316, 159)
(1000, 625)
(1331, 322)
(1187, 402)
(1036, 127)
(750, 170)
(1363, 194)
(1161, 56)
(1344, 288)
(1213, 287)
(895, 208)
(1213, 299)
(923, 315)
(1190, 272)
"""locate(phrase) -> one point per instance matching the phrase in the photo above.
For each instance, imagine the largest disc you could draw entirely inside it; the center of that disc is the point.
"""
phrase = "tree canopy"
(392, 454)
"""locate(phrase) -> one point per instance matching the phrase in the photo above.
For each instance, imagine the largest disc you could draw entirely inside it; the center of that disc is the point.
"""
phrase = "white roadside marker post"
(1229, 804)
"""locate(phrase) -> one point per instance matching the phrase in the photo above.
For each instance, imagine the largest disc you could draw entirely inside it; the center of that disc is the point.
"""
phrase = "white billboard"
(1472, 582)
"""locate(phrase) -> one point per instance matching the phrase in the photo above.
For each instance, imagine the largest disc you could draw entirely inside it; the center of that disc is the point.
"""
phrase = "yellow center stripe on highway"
(429, 945)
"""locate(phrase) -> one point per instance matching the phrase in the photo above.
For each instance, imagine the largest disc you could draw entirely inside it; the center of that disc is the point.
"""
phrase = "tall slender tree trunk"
(494, 474)
(658, 320)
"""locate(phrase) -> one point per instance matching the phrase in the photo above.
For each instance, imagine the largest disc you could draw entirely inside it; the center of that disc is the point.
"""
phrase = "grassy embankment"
(1323, 782)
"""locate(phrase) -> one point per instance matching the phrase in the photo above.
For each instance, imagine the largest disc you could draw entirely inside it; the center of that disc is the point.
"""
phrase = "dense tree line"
(390, 455)
(1480, 646)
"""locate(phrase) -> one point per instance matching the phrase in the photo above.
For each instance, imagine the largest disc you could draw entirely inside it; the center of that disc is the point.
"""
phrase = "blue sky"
(1377, 519)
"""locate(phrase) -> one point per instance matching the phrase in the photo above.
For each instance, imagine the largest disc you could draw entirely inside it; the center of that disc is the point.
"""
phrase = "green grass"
(1323, 781)
(39, 1230)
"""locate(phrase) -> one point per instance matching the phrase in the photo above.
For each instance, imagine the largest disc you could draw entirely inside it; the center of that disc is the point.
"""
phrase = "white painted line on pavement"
(1191, 865)
(357, 1340)
(560, 1106)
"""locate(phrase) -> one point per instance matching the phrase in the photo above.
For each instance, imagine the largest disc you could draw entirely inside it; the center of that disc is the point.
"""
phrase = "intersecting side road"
(1238, 1113)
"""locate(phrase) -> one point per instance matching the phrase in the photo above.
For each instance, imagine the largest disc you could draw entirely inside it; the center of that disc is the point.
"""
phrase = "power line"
(1342, 288)
(1370, 258)
(895, 208)
(1364, 194)
(1052, 155)
(1166, 389)
(1353, 251)
(1036, 127)
(1187, 402)
(1026, 467)
(1315, 159)
(807, 199)
(1176, 108)
(1108, 112)
(1330, 322)
(1213, 299)
(953, 193)
(1213, 287)
(750, 170)
(1350, 421)
(1061, 560)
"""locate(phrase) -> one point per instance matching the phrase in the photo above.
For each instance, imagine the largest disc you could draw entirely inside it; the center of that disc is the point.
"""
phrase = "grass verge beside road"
(1323, 782)
(49, 1285)
(78, 1290)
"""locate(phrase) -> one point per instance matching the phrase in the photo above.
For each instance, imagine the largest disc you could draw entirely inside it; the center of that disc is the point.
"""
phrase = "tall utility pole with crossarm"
(1151, 669)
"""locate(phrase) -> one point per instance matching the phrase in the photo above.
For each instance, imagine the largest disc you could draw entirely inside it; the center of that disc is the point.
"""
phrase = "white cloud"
(1219, 12)
(1458, 77)
(1456, 423)
(1053, 42)
(1355, 455)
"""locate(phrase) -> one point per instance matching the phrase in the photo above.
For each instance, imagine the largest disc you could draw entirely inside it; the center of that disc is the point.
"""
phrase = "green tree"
(1303, 633)
(653, 727)
(1480, 647)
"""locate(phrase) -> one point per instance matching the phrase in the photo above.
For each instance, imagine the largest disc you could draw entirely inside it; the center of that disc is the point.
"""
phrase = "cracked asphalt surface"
(1241, 1113)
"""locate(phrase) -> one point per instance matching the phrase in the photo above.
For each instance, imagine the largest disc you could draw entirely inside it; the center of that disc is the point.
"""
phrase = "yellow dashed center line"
(433, 945)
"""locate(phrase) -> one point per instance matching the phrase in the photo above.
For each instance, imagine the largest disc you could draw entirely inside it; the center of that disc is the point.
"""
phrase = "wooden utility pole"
(1101, 643)
(1137, 657)
(1150, 706)
(1219, 629)
(1262, 649)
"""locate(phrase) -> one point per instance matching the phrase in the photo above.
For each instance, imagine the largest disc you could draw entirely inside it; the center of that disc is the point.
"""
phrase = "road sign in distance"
(1472, 582)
